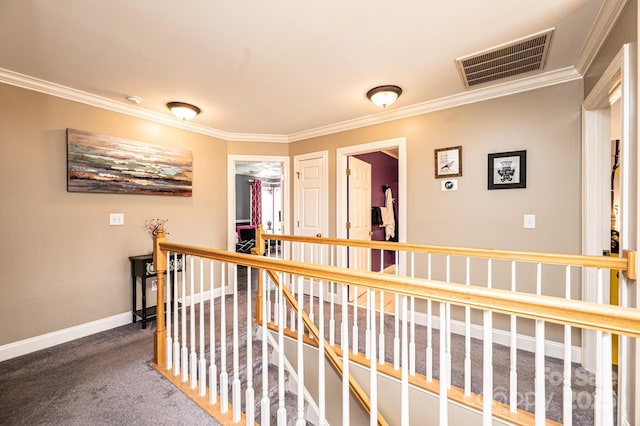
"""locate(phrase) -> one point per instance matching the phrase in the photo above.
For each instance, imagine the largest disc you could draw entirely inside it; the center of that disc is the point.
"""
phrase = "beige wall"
(545, 122)
(62, 259)
(62, 264)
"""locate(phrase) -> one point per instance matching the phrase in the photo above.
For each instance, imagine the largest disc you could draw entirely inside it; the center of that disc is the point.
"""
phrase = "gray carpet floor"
(102, 379)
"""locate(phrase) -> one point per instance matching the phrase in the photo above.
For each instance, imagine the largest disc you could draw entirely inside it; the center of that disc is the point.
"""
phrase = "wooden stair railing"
(574, 313)
(330, 353)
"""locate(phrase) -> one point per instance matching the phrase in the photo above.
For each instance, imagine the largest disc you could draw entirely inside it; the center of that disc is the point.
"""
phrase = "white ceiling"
(276, 68)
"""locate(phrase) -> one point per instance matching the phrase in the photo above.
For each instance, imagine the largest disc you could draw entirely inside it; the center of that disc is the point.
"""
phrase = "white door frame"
(341, 187)
(231, 192)
(324, 197)
(596, 221)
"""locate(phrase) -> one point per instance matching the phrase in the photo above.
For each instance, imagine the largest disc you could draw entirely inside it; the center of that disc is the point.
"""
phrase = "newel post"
(258, 250)
(160, 264)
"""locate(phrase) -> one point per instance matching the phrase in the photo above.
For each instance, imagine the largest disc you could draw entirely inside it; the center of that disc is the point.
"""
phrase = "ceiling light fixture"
(183, 110)
(383, 96)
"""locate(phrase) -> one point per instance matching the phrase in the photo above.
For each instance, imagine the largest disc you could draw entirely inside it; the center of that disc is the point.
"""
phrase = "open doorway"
(395, 148)
(257, 195)
(383, 204)
(608, 115)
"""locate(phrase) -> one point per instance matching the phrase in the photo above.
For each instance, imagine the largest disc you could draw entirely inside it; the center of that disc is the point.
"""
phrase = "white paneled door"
(359, 213)
(311, 188)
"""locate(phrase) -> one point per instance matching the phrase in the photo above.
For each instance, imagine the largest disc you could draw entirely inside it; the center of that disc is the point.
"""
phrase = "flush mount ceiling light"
(183, 110)
(383, 96)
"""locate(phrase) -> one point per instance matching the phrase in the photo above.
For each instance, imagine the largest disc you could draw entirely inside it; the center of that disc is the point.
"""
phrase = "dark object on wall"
(99, 163)
(507, 170)
(376, 216)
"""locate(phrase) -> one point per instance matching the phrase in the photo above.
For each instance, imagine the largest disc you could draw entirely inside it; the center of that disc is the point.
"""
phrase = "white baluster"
(332, 320)
(321, 342)
(344, 340)
(249, 396)
(265, 415)
(168, 340)
(373, 374)
(513, 372)
(294, 316)
(235, 383)
(283, 277)
(193, 357)
(607, 381)
(598, 416)
(443, 400)
(448, 326)
(355, 321)
(202, 364)
(429, 354)
(224, 378)
(282, 412)
(412, 338)
(184, 351)
(213, 369)
(396, 336)
(176, 341)
(276, 309)
(381, 343)
(540, 395)
(404, 399)
(300, 367)
(567, 397)
(467, 335)
(268, 312)
(367, 331)
(487, 367)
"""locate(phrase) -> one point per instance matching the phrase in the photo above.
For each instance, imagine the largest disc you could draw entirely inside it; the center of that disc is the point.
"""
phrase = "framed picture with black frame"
(507, 170)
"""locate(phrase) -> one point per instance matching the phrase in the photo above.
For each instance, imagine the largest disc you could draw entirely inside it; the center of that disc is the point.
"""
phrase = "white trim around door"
(341, 186)
(231, 192)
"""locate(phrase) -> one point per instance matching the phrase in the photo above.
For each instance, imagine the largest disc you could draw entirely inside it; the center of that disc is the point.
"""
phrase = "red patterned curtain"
(256, 202)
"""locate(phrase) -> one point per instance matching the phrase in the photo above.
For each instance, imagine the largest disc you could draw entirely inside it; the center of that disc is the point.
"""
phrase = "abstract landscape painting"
(99, 163)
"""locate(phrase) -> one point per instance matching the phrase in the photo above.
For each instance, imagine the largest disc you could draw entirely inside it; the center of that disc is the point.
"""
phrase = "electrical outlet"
(116, 219)
(154, 285)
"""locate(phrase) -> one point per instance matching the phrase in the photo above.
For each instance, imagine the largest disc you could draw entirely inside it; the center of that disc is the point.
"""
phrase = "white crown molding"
(504, 89)
(32, 83)
(606, 19)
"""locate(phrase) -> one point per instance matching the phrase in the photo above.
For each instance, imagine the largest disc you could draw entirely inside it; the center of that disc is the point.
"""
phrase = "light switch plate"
(529, 221)
(116, 219)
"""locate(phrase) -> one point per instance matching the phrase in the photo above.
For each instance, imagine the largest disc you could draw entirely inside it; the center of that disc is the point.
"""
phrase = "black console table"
(142, 267)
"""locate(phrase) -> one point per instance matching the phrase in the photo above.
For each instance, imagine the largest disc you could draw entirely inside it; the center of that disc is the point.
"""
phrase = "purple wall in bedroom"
(384, 171)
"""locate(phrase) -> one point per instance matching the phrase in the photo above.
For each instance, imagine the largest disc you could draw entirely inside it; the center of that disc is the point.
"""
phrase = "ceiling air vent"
(517, 57)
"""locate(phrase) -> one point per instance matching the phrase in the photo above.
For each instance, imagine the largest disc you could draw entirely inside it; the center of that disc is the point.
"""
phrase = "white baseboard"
(36, 343)
(502, 337)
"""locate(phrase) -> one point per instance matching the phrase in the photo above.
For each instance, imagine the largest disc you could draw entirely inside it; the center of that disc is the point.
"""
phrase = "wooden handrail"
(611, 319)
(624, 263)
(333, 358)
